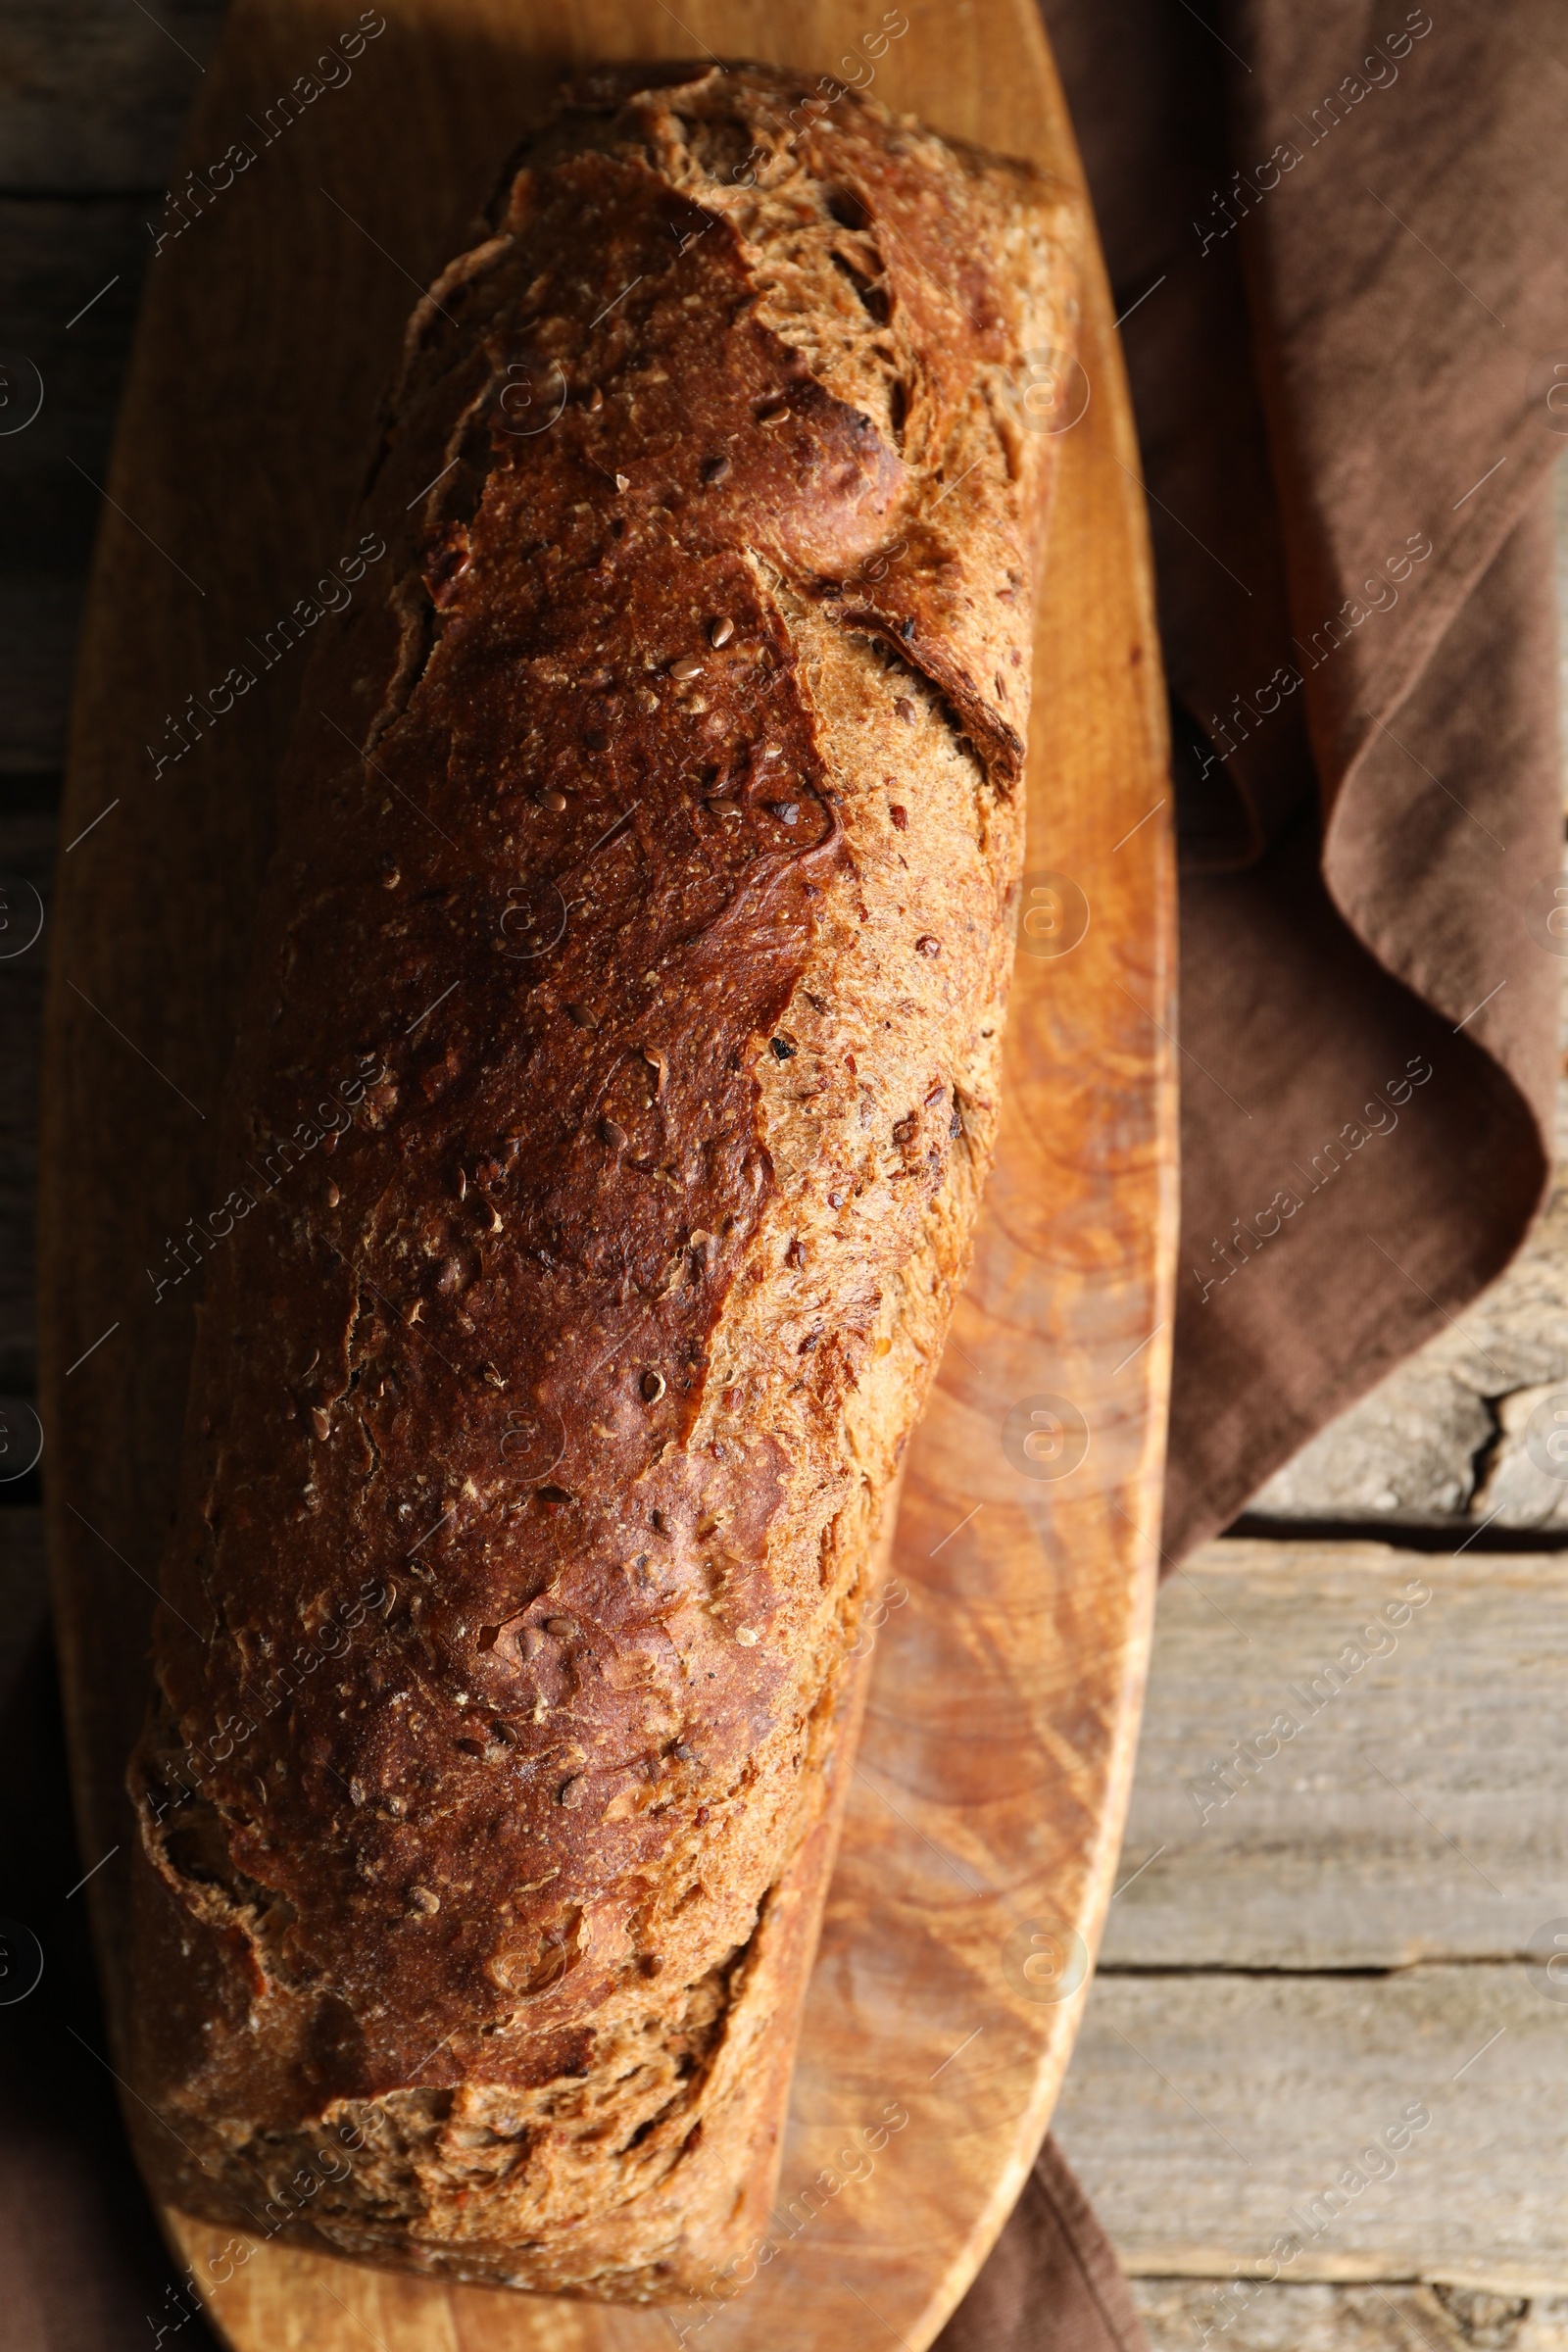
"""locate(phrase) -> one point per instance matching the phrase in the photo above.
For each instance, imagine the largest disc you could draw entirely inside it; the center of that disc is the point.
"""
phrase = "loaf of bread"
(603, 1151)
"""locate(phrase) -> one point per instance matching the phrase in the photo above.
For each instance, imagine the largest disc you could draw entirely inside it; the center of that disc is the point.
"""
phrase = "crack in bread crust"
(650, 851)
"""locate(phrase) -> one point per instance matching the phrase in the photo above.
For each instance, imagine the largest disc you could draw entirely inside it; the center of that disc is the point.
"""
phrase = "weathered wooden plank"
(1394, 2318)
(1329, 2127)
(23, 1592)
(27, 868)
(1415, 1811)
(39, 619)
(54, 259)
(93, 92)
(93, 97)
(1432, 1444)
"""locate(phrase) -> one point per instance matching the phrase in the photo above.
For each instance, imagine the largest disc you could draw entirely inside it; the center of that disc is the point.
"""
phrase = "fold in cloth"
(1052, 2284)
(1337, 238)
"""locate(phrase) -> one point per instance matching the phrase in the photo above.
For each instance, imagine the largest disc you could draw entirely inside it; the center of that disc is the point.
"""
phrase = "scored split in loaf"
(606, 1133)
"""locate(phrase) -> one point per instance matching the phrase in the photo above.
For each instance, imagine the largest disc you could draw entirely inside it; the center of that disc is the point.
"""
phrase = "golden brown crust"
(628, 990)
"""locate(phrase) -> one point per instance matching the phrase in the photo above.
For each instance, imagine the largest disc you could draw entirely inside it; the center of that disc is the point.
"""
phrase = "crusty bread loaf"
(605, 1136)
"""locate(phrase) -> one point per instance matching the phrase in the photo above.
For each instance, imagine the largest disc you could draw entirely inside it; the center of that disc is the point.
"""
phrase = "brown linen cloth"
(1342, 228)
(1330, 372)
(1337, 360)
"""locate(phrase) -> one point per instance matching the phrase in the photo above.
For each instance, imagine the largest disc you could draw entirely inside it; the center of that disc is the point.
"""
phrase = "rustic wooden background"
(1290, 1966)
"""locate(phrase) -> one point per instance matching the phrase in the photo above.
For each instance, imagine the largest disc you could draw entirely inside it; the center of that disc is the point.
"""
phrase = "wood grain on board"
(986, 1805)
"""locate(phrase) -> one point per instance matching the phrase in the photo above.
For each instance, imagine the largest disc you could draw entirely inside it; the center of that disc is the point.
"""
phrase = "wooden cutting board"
(988, 1802)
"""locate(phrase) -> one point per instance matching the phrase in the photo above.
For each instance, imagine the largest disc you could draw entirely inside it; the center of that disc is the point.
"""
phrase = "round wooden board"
(986, 1805)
